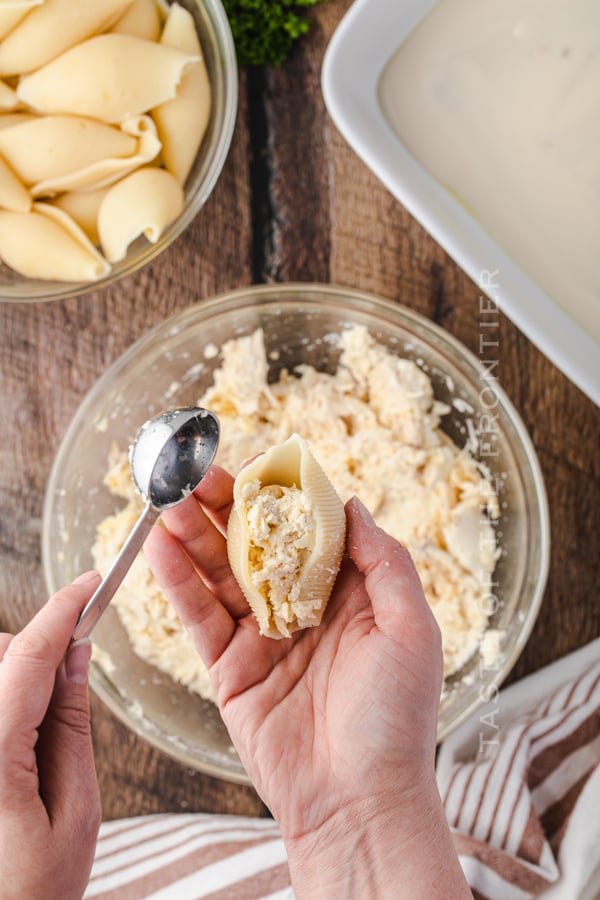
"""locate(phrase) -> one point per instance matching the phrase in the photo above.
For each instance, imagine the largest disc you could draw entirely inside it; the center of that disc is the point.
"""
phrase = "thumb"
(391, 579)
(65, 759)
(77, 662)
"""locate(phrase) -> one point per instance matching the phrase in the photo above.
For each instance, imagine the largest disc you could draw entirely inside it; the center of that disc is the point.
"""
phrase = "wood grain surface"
(293, 203)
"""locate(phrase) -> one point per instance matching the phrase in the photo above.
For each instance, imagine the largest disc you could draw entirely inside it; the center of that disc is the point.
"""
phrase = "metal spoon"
(169, 458)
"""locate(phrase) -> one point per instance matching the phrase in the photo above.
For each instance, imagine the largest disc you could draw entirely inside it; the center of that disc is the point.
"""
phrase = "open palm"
(336, 713)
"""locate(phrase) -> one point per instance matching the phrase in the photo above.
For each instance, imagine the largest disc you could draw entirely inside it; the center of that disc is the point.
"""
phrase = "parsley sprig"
(265, 31)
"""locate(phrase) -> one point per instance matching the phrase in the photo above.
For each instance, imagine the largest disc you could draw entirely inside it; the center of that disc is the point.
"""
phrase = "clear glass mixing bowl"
(162, 370)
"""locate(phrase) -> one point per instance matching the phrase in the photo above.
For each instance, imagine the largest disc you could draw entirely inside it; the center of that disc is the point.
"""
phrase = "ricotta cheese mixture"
(374, 427)
(281, 530)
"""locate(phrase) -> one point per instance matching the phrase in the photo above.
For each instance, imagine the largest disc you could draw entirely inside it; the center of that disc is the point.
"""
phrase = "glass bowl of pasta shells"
(115, 122)
(394, 409)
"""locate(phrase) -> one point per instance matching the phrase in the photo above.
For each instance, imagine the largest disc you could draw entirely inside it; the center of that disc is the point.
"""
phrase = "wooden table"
(293, 203)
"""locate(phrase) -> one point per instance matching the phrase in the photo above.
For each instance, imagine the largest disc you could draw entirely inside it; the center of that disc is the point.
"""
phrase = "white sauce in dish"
(500, 102)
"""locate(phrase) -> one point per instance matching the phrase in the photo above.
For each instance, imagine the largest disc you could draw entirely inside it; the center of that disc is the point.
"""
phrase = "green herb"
(264, 31)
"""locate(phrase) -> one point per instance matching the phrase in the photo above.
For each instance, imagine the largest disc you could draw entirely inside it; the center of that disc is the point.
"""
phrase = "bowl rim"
(44, 291)
(313, 293)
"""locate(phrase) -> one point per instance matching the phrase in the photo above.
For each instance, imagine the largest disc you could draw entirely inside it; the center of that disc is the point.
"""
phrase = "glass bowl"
(219, 55)
(168, 367)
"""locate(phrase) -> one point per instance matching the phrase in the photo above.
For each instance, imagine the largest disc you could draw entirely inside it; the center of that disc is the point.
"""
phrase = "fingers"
(215, 493)
(210, 625)
(30, 662)
(5, 640)
(64, 750)
(28, 674)
(204, 543)
(391, 579)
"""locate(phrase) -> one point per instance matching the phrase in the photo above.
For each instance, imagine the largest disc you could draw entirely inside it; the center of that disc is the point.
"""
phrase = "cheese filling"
(281, 529)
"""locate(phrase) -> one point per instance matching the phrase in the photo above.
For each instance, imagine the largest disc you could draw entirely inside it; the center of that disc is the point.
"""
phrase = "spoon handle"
(108, 587)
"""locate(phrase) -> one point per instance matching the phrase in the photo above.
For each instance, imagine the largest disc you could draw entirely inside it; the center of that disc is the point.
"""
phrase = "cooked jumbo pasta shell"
(83, 207)
(182, 122)
(51, 28)
(8, 97)
(46, 243)
(12, 13)
(141, 19)
(13, 194)
(144, 202)
(285, 537)
(110, 77)
(54, 154)
(7, 120)
(47, 150)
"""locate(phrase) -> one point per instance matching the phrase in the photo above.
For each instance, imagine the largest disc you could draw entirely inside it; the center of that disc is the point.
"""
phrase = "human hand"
(336, 726)
(49, 798)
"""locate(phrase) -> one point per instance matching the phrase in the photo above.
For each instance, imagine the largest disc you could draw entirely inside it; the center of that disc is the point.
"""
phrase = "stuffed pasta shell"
(285, 537)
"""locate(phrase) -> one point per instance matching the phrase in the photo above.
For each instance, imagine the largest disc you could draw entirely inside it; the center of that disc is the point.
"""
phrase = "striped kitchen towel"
(520, 782)
(521, 786)
(184, 856)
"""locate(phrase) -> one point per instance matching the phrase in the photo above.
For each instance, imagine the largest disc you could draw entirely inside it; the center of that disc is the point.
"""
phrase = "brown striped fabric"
(178, 856)
(524, 803)
(524, 810)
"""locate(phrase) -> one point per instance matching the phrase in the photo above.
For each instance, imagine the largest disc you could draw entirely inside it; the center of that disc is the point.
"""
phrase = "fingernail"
(77, 663)
(362, 511)
(87, 577)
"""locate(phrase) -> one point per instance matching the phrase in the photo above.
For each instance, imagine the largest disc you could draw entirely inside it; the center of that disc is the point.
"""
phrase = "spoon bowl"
(172, 453)
(169, 458)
